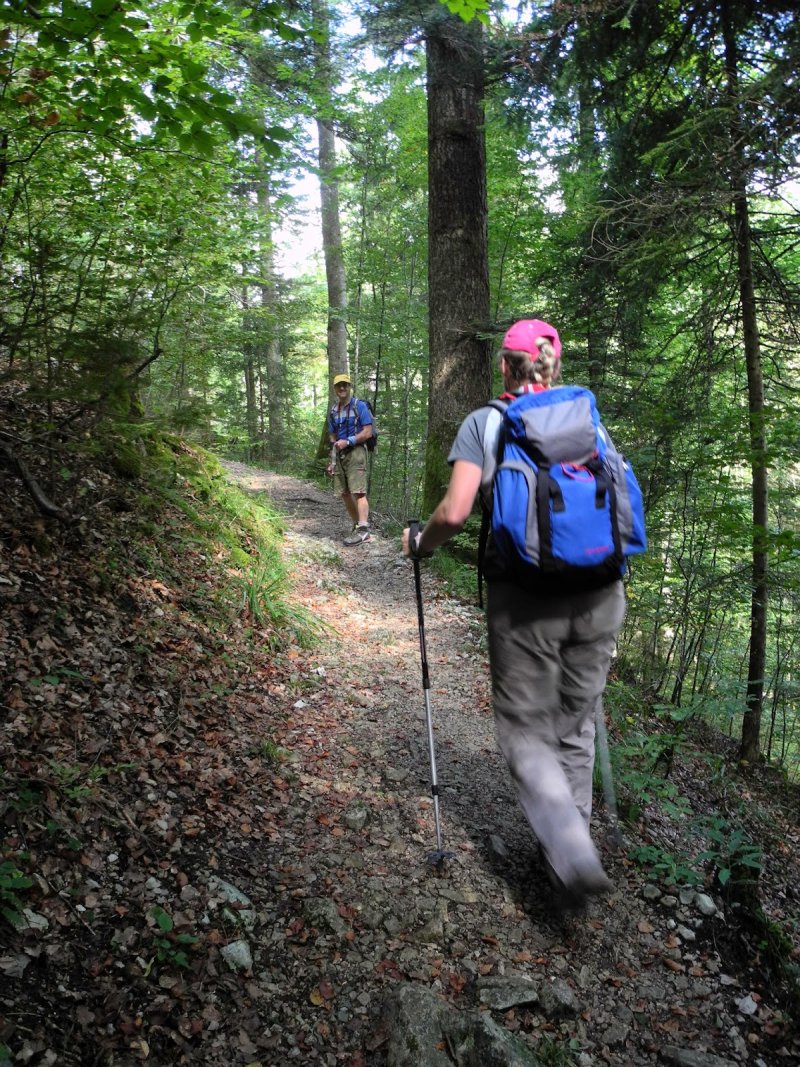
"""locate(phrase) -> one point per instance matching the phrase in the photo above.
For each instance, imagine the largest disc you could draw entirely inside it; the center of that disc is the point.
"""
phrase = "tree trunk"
(270, 304)
(332, 251)
(751, 725)
(329, 207)
(329, 196)
(591, 286)
(250, 398)
(249, 368)
(458, 269)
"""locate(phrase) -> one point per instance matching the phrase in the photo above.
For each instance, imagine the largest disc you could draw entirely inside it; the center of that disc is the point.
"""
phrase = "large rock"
(502, 993)
(557, 1000)
(426, 1031)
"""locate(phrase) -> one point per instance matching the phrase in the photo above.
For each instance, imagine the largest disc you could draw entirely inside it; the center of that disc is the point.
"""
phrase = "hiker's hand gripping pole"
(439, 855)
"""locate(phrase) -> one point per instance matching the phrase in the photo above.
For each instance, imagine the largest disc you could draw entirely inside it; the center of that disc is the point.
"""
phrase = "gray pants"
(550, 657)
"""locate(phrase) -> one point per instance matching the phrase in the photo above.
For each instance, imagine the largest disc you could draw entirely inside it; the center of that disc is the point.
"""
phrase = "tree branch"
(45, 505)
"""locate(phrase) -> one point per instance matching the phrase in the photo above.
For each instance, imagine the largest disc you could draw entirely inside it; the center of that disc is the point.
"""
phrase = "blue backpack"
(563, 506)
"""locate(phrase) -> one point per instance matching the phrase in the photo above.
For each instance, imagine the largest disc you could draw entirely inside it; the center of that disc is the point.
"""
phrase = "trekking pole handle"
(413, 530)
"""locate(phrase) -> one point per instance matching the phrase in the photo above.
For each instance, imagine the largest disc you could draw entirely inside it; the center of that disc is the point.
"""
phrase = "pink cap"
(523, 335)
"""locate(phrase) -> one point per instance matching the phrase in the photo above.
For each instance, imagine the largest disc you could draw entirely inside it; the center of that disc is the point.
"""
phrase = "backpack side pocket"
(515, 529)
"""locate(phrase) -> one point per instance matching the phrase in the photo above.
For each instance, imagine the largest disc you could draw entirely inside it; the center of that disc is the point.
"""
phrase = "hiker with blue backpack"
(350, 428)
(563, 511)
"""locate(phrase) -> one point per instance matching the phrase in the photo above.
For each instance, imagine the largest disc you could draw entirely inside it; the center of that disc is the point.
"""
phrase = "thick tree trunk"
(458, 272)
(751, 726)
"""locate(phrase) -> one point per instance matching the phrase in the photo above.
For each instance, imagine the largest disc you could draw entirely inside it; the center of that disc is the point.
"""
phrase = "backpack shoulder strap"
(359, 421)
(492, 443)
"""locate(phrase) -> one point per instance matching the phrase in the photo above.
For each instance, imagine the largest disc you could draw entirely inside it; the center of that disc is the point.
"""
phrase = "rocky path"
(356, 917)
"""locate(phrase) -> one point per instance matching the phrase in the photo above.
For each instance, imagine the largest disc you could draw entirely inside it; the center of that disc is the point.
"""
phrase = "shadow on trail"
(479, 806)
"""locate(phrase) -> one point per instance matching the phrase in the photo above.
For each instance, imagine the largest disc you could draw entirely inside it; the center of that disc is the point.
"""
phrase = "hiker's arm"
(453, 510)
(359, 438)
(363, 434)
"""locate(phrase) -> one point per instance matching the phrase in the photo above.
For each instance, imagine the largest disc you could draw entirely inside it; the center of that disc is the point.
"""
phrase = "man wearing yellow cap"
(349, 427)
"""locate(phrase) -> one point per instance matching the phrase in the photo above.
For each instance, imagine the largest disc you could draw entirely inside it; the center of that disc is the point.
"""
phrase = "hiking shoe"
(575, 895)
(359, 535)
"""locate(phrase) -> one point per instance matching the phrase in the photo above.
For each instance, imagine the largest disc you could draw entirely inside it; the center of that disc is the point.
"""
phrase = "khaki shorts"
(350, 473)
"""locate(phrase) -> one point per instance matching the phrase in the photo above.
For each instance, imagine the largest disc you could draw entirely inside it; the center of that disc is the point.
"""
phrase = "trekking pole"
(439, 856)
(604, 755)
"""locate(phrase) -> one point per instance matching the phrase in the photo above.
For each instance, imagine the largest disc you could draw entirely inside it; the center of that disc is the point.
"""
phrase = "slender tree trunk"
(362, 244)
(249, 370)
(329, 196)
(592, 287)
(332, 250)
(458, 270)
(751, 726)
(250, 398)
(329, 207)
(270, 305)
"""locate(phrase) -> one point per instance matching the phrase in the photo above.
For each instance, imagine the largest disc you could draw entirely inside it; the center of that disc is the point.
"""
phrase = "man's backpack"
(564, 507)
(371, 442)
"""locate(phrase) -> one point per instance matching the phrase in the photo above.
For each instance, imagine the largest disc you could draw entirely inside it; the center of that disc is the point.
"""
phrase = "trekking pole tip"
(437, 859)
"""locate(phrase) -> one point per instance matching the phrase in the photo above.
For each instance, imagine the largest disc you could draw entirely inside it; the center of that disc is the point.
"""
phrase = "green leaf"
(163, 919)
(15, 881)
(204, 142)
(121, 35)
(288, 33)
(278, 133)
(12, 916)
(147, 109)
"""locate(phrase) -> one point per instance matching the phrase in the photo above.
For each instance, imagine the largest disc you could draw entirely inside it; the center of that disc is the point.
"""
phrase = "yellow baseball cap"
(342, 378)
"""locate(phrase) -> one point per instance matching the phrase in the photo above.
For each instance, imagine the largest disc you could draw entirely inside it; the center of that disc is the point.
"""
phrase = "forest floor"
(229, 845)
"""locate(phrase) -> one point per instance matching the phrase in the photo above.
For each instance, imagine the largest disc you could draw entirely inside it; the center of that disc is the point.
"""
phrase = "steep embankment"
(226, 836)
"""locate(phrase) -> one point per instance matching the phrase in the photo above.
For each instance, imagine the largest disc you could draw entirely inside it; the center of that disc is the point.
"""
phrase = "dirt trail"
(357, 906)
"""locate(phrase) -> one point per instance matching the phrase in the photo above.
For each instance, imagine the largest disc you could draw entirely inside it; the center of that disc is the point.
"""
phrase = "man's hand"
(340, 445)
(411, 536)
(329, 470)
